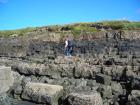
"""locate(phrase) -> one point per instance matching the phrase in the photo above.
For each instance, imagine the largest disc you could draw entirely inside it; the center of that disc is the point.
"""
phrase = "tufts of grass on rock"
(18, 32)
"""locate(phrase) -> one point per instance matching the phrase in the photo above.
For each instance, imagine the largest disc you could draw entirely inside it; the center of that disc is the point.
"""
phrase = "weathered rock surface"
(6, 79)
(42, 93)
(82, 70)
(135, 94)
(107, 62)
(92, 98)
(134, 97)
(116, 88)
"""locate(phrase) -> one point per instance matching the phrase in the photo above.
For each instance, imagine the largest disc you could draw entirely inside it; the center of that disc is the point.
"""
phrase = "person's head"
(67, 38)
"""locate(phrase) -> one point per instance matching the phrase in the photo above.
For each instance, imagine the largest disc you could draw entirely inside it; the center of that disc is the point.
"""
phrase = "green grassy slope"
(78, 27)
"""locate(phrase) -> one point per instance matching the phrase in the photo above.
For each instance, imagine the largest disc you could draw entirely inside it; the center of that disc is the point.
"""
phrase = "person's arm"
(66, 43)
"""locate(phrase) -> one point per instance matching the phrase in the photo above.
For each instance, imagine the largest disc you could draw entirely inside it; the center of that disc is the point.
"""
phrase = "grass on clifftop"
(77, 28)
(124, 25)
(18, 32)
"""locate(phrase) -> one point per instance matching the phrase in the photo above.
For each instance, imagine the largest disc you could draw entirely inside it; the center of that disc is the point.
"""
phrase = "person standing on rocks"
(68, 46)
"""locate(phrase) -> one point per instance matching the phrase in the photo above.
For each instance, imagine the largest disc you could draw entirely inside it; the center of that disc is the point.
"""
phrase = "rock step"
(92, 98)
(42, 93)
(78, 70)
(81, 70)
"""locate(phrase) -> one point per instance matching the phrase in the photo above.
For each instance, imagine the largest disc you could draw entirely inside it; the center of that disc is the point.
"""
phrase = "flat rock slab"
(42, 93)
(6, 79)
(92, 98)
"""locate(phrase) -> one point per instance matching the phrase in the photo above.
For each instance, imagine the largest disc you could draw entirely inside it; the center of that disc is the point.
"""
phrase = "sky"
(15, 14)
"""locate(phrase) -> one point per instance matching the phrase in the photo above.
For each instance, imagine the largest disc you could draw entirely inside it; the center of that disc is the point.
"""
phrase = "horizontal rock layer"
(104, 68)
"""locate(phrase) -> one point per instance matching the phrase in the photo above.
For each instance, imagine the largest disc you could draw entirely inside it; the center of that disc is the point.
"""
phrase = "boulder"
(134, 94)
(88, 98)
(116, 88)
(42, 93)
(106, 91)
(6, 100)
(6, 79)
(134, 97)
(17, 86)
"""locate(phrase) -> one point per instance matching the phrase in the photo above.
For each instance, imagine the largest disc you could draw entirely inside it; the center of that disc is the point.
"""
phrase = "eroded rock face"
(13, 47)
(92, 98)
(109, 64)
(42, 93)
(82, 70)
(6, 79)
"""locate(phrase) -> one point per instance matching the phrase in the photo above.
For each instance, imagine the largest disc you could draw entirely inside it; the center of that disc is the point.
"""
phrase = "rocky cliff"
(104, 69)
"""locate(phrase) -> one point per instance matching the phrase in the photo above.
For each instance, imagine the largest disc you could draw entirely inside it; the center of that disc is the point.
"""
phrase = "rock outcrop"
(103, 70)
(42, 93)
(6, 79)
(6, 82)
(92, 98)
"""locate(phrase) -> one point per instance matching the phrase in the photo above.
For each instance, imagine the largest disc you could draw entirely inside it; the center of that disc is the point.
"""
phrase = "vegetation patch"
(18, 32)
(77, 28)
(124, 25)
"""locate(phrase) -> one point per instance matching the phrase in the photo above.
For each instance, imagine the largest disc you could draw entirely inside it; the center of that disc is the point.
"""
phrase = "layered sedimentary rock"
(102, 71)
